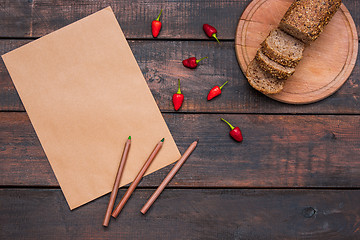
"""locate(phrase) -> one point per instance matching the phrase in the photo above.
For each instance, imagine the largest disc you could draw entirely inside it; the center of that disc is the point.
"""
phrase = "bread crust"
(275, 56)
(261, 80)
(278, 56)
(272, 67)
(306, 19)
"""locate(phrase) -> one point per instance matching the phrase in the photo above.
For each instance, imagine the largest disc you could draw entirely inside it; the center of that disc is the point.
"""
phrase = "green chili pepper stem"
(158, 18)
(179, 91)
(223, 84)
(197, 61)
(231, 126)
(214, 36)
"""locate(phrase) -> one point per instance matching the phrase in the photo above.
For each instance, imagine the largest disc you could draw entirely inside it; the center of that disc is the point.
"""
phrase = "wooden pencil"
(170, 175)
(137, 179)
(117, 182)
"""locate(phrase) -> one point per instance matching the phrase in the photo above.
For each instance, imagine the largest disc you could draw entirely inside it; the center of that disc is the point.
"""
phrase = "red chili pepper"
(192, 62)
(215, 91)
(178, 98)
(210, 31)
(235, 132)
(156, 26)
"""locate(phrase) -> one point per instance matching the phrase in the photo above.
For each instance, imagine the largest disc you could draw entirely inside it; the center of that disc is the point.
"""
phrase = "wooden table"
(295, 175)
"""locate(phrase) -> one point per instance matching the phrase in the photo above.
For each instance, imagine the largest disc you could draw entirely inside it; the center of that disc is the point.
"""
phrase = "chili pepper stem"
(197, 61)
(158, 18)
(214, 36)
(179, 91)
(224, 84)
(231, 126)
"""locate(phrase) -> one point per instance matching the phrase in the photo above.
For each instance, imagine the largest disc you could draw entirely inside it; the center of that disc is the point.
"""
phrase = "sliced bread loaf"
(306, 19)
(275, 69)
(283, 48)
(261, 80)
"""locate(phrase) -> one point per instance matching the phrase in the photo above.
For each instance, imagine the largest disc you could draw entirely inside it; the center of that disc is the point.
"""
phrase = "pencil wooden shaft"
(116, 183)
(136, 181)
(167, 179)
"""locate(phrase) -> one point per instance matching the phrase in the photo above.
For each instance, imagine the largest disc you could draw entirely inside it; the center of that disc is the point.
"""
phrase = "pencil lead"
(162, 140)
(197, 140)
(129, 137)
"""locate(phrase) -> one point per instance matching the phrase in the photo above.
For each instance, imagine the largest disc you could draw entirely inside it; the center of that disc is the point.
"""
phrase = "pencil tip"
(162, 140)
(129, 137)
(197, 140)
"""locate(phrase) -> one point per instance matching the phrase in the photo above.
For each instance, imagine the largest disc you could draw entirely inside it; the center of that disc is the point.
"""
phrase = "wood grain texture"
(326, 63)
(181, 19)
(277, 151)
(186, 214)
(160, 62)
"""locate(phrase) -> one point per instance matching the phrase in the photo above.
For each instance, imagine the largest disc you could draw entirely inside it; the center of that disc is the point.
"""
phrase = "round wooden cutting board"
(326, 63)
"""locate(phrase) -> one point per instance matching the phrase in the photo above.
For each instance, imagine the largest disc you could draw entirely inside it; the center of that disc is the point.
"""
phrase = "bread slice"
(306, 19)
(283, 48)
(275, 69)
(261, 80)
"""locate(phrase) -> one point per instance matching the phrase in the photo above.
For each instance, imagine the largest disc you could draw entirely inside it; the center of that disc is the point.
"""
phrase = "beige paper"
(85, 94)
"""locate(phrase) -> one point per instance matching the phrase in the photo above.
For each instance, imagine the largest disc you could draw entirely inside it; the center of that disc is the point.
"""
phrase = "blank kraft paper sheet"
(85, 94)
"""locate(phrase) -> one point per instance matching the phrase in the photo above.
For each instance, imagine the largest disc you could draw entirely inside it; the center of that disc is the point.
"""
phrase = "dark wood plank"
(15, 18)
(277, 151)
(9, 99)
(161, 65)
(186, 214)
(181, 19)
